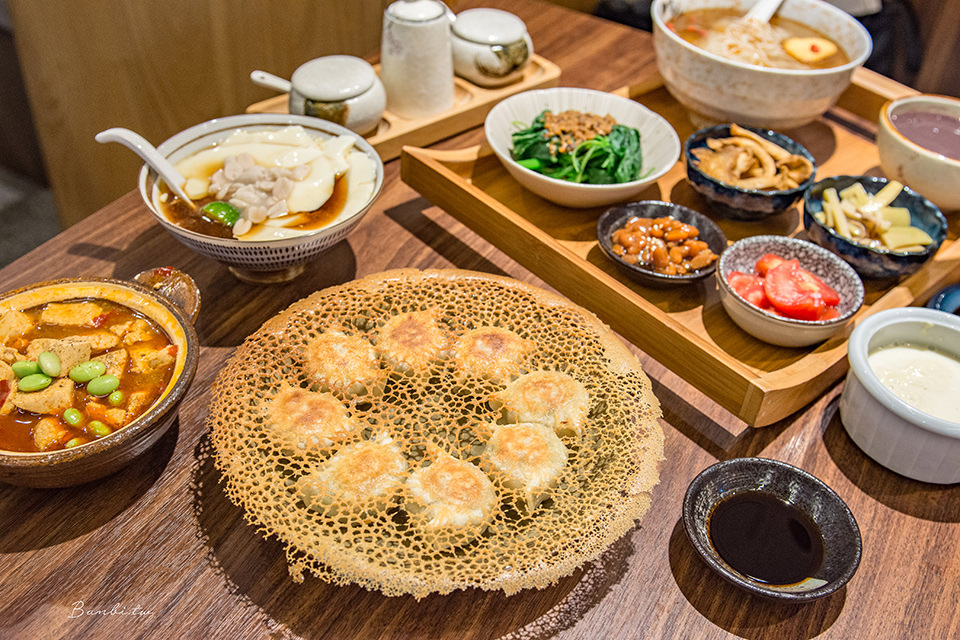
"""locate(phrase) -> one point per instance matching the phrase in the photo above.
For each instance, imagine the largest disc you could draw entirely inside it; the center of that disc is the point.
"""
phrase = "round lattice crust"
(599, 494)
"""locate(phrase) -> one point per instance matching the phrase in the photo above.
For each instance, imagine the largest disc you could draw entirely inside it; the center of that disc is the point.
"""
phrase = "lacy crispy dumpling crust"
(362, 472)
(434, 489)
(412, 340)
(341, 363)
(527, 456)
(491, 352)
(309, 419)
(548, 397)
(451, 493)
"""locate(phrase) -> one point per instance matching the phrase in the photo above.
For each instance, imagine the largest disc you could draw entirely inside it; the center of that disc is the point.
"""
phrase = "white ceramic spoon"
(270, 81)
(139, 145)
(763, 10)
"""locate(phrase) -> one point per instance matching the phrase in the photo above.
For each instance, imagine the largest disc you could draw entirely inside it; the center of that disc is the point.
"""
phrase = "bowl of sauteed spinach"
(580, 147)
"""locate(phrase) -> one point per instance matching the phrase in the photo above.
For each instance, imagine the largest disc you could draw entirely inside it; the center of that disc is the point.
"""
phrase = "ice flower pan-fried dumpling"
(342, 363)
(309, 420)
(527, 456)
(277, 180)
(411, 341)
(551, 398)
(491, 352)
(451, 494)
(364, 472)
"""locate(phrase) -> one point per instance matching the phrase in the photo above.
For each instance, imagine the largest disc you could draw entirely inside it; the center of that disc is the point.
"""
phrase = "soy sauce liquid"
(766, 538)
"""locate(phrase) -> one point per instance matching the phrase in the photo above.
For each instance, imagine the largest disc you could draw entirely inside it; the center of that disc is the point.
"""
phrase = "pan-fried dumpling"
(490, 352)
(308, 419)
(342, 363)
(412, 340)
(527, 456)
(451, 494)
(365, 473)
(548, 397)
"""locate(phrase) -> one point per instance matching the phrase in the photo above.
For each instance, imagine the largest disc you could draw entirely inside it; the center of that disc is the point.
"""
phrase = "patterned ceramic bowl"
(733, 202)
(266, 261)
(868, 262)
(784, 484)
(767, 326)
(716, 89)
(618, 215)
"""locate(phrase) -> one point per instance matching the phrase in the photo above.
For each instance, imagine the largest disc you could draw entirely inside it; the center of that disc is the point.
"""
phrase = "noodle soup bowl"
(715, 89)
(260, 261)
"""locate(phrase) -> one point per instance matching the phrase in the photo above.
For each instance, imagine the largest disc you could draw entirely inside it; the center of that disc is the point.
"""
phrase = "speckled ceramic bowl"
(899, 436)
(769, 327)
(868, 262)
(933, 174)
(617, 216)
(110, 453)
(716, 89)
(265, 261)
(733, 202)
(842, 545)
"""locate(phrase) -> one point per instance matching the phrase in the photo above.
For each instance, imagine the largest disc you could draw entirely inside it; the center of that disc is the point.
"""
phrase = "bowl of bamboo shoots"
(882, 228)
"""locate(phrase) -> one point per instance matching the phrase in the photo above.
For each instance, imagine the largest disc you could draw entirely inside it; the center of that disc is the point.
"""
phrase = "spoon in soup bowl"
(763, 10)
(154, 159)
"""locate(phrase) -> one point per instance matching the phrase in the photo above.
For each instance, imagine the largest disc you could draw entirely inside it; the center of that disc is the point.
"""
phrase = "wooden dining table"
(158, 551)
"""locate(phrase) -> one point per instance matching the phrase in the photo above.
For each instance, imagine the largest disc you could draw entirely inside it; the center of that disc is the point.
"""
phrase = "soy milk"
(923, 378)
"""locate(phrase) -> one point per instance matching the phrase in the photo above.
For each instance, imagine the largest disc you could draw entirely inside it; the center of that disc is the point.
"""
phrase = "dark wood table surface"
(157, 551)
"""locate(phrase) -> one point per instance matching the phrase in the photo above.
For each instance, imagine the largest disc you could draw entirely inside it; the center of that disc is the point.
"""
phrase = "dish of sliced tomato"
(786, 288)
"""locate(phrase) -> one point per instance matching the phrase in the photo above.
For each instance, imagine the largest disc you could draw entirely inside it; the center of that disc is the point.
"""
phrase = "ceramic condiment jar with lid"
(339, 88)
(416, 62)
(490, 47)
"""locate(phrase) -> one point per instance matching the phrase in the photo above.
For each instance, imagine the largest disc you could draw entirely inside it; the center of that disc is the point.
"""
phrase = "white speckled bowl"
(659, 142)
(929, 173)
(717, 90)
(770, 327)
(895, 434)
(263, 261)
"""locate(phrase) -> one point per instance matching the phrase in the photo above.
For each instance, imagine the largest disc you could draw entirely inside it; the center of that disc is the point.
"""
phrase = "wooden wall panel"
(158, 67)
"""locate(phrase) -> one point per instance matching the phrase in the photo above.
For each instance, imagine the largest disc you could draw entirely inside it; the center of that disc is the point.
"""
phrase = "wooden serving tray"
(685, 328)
(471, 104)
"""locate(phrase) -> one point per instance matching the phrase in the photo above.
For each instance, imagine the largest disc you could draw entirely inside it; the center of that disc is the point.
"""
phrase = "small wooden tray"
(471, 104)
(686, 329)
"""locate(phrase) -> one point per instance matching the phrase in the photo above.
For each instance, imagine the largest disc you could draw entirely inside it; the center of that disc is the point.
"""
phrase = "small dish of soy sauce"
(772, 529)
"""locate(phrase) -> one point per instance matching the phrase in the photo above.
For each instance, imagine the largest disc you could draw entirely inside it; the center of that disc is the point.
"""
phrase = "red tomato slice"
(812, 282)
(766, 262)
(829, 314)
(792, 293)
(749, 287)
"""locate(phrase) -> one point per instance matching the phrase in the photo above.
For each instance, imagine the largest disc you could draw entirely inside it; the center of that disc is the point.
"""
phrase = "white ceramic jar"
(416, 62)
(341, 89)
(490, 47)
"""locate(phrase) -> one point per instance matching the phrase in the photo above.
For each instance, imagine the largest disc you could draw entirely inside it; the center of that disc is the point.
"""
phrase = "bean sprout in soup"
(781, 43)
(274, 183)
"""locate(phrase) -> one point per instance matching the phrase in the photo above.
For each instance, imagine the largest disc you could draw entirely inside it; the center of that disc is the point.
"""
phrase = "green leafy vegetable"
(603, 159)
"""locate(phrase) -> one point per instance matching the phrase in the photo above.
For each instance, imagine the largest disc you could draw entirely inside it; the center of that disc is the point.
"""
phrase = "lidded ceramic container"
(342, 89)
(490, 47)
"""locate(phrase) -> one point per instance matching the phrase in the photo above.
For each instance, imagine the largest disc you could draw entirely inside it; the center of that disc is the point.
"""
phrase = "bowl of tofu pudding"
(268, 192)
(900, 401)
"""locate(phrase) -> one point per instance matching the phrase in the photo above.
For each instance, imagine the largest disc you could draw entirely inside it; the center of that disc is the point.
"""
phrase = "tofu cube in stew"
(115, 361)
(50, 401)
(71, 314)
(49, 433)
(13, 323)
(70, 352)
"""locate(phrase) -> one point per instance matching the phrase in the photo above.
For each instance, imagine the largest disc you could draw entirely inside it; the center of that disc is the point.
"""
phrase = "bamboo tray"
(686, 329)
(471, 104)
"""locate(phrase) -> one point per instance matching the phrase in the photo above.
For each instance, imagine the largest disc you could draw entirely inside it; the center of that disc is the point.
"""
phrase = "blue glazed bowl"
(618, 215)
(733, 202)
(869, 262)
(947, 299)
